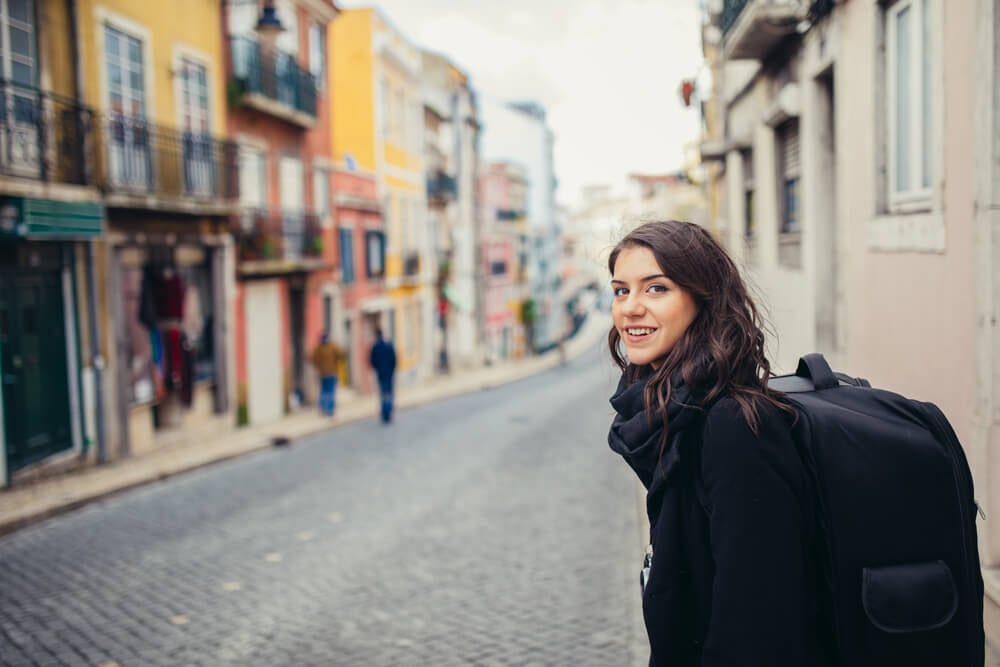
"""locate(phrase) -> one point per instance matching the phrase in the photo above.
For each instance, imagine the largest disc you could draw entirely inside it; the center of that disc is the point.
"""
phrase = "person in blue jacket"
(383, 362)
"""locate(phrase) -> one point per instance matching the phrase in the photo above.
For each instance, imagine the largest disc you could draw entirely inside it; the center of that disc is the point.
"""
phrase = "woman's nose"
(632, 305)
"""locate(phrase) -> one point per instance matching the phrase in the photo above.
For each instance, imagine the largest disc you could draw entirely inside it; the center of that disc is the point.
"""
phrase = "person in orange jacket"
(326, 358)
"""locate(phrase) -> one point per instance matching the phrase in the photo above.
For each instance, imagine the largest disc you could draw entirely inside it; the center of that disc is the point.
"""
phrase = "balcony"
(272, 82)
(276, 242)
(44, 138)
(441, 188)
(752, 28)
(144, 166)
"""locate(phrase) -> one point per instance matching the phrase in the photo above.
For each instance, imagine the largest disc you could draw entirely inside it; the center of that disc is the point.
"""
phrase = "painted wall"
(351, 61)
(192, 27)
(912, 315)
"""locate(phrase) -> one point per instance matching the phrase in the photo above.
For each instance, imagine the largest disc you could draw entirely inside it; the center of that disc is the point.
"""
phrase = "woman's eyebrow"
(641, 280)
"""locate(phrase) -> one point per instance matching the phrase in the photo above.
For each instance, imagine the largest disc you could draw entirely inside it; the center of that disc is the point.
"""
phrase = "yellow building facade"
(378, 128)
(153, 72)
(166, 34)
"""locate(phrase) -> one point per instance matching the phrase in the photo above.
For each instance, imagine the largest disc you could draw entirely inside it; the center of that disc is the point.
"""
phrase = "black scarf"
(672, 605)
(636, 434)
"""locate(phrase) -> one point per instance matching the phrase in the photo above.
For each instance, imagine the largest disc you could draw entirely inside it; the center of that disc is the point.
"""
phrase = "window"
(288, 39)
(19, 145)
(199, 177)
(17, 44)
(749, 228)
(375, 253)
(317, 54)
(321, 194)
(909, 57)
(128, 141)
(787, 136)
(253, 178)
(347, 255)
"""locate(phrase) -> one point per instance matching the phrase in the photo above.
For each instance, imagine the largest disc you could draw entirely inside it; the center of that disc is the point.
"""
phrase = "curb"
(44, 499)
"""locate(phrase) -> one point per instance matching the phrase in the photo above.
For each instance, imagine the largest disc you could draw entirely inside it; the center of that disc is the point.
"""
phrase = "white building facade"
(861, 191)
(520, 133)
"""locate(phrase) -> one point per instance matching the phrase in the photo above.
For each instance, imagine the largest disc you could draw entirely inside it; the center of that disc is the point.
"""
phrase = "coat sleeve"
(754, 486)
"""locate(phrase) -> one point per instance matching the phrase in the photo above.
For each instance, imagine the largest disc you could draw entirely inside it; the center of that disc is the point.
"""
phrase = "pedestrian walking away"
(736, 588)
(383, 362)
(326, 358)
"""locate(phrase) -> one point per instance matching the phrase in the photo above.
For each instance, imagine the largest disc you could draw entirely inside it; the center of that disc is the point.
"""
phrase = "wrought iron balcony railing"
(273, 74)
(278, 236)
(140, 158)
(45, 137)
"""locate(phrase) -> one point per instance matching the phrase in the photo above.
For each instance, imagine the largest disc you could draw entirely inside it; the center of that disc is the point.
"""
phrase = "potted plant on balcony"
(315, 246)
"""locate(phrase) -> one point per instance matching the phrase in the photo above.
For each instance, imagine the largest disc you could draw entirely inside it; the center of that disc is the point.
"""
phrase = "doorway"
(297, 326)
(36, 400)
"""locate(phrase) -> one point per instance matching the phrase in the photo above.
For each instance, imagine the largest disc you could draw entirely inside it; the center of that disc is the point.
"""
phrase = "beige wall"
(911, 314)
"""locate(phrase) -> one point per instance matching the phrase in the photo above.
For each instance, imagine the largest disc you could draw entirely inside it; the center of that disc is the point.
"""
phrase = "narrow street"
(495, 528)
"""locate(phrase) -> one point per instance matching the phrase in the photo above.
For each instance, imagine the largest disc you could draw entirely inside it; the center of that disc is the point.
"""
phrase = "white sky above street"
(607, 71)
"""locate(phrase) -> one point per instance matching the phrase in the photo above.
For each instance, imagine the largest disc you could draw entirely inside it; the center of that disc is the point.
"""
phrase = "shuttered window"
(790, 165)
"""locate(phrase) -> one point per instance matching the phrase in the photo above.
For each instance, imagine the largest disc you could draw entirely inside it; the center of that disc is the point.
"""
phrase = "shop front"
(168, 304)
(40, 392)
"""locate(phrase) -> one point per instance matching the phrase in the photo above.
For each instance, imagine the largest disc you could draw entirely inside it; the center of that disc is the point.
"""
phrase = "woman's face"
(650, 311)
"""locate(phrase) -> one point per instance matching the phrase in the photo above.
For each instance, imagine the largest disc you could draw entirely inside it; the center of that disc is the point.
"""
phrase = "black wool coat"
(733, 578)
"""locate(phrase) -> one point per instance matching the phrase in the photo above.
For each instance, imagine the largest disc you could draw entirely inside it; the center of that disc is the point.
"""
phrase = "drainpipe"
(96, 358)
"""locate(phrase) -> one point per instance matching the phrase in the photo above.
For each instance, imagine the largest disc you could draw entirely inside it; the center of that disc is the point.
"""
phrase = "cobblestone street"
(492, 529)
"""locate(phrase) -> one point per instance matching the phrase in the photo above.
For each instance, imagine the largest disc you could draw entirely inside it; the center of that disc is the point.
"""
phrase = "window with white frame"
(19, 148)
(317, 54)
(909, 57)
(253, 178)
(17, 42)
(375, 253)
(128, 140)
(383, 91)
(195, 122)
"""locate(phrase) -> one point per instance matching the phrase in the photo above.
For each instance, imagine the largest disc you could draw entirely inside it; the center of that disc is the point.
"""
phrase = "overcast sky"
(607, 71)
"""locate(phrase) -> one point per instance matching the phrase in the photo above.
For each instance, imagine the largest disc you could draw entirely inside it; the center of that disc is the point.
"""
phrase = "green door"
(33, 367)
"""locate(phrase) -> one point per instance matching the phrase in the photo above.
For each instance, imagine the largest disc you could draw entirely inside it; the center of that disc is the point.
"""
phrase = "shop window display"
(169, 317)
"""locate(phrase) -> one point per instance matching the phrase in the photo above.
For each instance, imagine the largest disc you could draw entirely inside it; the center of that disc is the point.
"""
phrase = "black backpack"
(899, 560)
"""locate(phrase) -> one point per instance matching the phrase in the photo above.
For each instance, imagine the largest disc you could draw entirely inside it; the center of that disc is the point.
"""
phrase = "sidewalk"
(33, 502)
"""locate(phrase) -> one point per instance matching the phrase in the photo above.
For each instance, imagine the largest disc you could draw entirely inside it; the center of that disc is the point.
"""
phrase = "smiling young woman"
(730, 579)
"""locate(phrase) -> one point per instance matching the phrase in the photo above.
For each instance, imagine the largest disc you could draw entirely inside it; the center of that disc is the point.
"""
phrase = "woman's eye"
(619, 291)
(656, 288)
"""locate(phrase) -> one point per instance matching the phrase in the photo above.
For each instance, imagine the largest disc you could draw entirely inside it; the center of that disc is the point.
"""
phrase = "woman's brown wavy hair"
(722, 352)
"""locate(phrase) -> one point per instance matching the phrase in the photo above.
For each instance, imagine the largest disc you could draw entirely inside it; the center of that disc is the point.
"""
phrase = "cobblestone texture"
(491, 529)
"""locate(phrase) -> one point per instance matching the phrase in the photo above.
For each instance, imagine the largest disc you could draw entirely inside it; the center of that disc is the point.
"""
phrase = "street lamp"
(269, 25)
